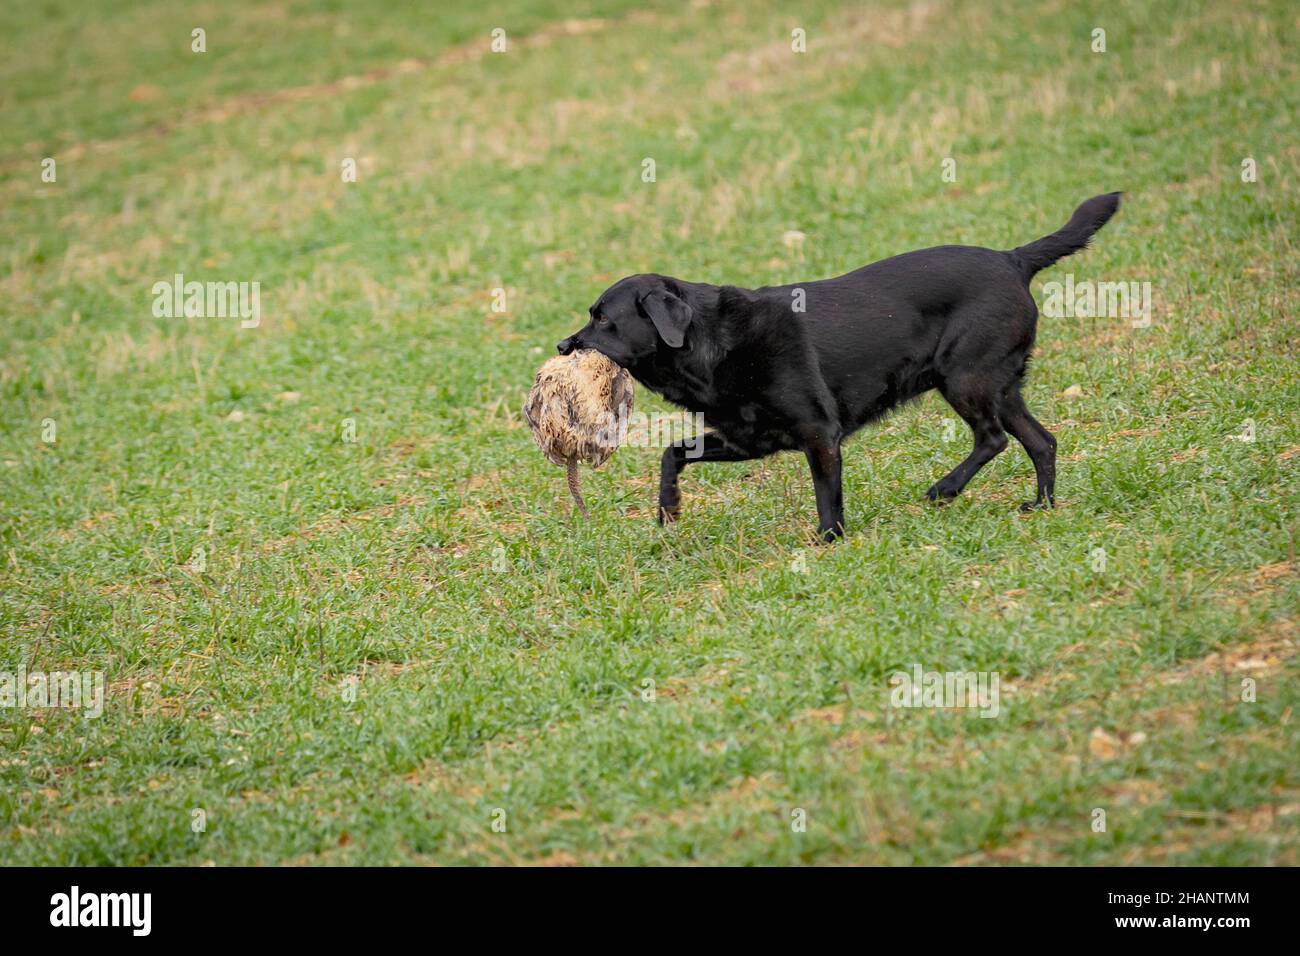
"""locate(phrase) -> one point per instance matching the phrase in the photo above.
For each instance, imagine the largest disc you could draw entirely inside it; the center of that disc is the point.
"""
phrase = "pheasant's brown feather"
(576, 408)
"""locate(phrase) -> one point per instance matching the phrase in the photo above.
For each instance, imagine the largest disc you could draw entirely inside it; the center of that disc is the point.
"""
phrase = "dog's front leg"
(709, 447)
(670, 499)
(823, 452)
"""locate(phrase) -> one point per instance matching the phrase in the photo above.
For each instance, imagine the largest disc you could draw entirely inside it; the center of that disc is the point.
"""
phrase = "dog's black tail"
(1070, 238)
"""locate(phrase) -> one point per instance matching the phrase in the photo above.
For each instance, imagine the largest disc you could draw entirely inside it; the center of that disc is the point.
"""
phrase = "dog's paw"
(1042, 504)
(669, 513)
(829, 535)
(940, 493)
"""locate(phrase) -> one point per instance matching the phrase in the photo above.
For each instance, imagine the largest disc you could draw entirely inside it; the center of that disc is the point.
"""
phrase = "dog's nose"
(567, 345)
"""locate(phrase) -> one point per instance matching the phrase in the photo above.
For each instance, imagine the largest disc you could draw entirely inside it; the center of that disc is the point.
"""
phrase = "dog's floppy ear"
(670, 315)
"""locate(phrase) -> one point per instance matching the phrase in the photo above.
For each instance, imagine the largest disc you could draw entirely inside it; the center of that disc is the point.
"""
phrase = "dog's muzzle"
(571, 344)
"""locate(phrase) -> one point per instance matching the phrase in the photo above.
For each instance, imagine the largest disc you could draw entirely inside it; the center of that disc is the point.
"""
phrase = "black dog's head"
(632, 318)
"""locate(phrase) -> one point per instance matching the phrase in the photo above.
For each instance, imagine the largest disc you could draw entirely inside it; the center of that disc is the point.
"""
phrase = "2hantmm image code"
(1184, 909)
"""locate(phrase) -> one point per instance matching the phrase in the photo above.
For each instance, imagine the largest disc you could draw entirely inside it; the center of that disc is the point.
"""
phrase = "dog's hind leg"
(678, 455)
(972, 399)
(1038, 441)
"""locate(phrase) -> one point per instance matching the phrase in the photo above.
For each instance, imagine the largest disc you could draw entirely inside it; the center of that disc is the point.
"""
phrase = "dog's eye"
(602, 320)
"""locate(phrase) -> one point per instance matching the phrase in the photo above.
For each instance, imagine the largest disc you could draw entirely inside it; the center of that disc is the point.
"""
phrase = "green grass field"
(204, 530)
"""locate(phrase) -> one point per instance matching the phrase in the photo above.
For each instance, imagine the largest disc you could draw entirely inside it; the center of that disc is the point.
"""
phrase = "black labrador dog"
(804, 366)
